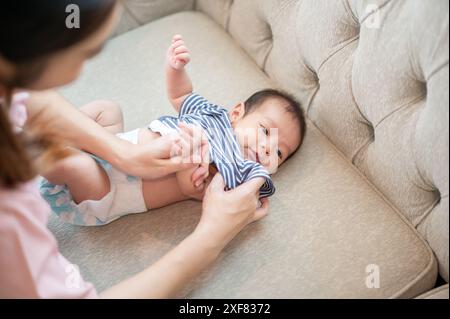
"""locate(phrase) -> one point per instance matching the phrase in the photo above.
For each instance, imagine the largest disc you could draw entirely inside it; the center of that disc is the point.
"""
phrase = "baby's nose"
(269, 146)
(266, 149)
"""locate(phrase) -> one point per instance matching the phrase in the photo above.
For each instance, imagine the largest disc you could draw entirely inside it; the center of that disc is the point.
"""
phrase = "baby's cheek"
(244, 138)
(273, 164)
(250, 135)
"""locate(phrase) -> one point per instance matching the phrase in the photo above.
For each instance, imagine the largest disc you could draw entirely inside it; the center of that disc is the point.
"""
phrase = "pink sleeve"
(30, 263)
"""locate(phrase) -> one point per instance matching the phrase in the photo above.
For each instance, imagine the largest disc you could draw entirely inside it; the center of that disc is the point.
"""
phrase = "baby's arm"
(179, 85)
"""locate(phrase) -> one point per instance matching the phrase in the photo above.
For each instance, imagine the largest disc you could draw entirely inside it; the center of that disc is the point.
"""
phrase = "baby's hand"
(187, 185)
(178, 55)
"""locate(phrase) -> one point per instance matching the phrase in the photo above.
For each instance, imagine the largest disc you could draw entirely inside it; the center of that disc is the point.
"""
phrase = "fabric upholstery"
(138, 12)
(437, 293)
(327, 223)
(373, 76)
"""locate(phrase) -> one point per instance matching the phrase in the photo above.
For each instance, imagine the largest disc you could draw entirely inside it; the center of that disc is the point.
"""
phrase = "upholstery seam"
(278, 13)
(344, 45)
(352, 91)
(228, 18)
(350, 11)
(428, 211)
(438, 69)
(432, 264)
(311, 100)
(128, 10)
(432, 188)
(429, 190)
(363, 147)
(444, 30)
(363, 116)
(280, 10)
(414, 156)
(432, 259)
(374, 11)
(400, 108)
(300, 61)
(133, 15)
(415, 67)
(266, 58)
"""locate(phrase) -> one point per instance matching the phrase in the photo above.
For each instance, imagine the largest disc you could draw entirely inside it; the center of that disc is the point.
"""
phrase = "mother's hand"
(165, 155)
(226, 213)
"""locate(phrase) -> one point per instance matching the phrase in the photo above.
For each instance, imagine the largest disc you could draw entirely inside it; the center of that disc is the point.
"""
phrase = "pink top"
(30, 263)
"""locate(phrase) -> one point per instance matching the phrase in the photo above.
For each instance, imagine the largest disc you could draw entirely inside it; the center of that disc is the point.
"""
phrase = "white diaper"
(124, 198)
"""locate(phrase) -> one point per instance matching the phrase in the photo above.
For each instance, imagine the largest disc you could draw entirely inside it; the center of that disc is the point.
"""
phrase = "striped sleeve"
(195, 104)
(255, 170)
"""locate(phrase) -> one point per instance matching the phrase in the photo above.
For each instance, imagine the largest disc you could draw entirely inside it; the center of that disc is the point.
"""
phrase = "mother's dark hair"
(32, 30)
(30, 33)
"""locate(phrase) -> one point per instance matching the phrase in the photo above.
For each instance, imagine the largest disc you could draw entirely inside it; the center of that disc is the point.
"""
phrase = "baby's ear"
(237, 112)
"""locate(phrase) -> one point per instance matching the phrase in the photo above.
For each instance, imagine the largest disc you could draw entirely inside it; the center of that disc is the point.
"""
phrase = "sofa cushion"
(329, 232)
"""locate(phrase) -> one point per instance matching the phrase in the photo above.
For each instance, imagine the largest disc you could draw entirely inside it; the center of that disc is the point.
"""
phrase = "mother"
(38, 52)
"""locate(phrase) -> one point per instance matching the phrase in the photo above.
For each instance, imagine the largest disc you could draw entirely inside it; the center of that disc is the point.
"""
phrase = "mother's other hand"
(226, 213)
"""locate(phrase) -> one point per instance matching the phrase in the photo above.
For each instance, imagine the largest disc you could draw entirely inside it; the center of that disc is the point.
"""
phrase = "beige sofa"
(362, 210)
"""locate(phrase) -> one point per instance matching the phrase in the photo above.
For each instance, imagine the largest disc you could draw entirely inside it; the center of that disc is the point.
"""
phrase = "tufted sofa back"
(373, 77)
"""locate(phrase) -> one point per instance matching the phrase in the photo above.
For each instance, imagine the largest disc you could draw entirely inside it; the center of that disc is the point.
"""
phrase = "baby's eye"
(280, 155)
(265, 130)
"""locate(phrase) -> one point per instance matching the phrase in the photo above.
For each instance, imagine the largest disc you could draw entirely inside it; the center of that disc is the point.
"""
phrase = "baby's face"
(268, 134)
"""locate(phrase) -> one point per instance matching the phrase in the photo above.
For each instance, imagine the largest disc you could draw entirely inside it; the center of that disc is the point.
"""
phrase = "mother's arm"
(149, 161)
(224, 215)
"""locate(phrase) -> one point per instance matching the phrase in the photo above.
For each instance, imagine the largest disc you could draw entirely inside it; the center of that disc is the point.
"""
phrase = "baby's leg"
(107, 114)
(83, 176)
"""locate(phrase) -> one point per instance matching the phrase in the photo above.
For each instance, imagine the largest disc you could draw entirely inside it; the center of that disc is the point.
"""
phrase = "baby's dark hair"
(292, 106)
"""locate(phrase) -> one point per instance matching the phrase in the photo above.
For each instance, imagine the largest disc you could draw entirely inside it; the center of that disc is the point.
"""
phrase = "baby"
(250, 141)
